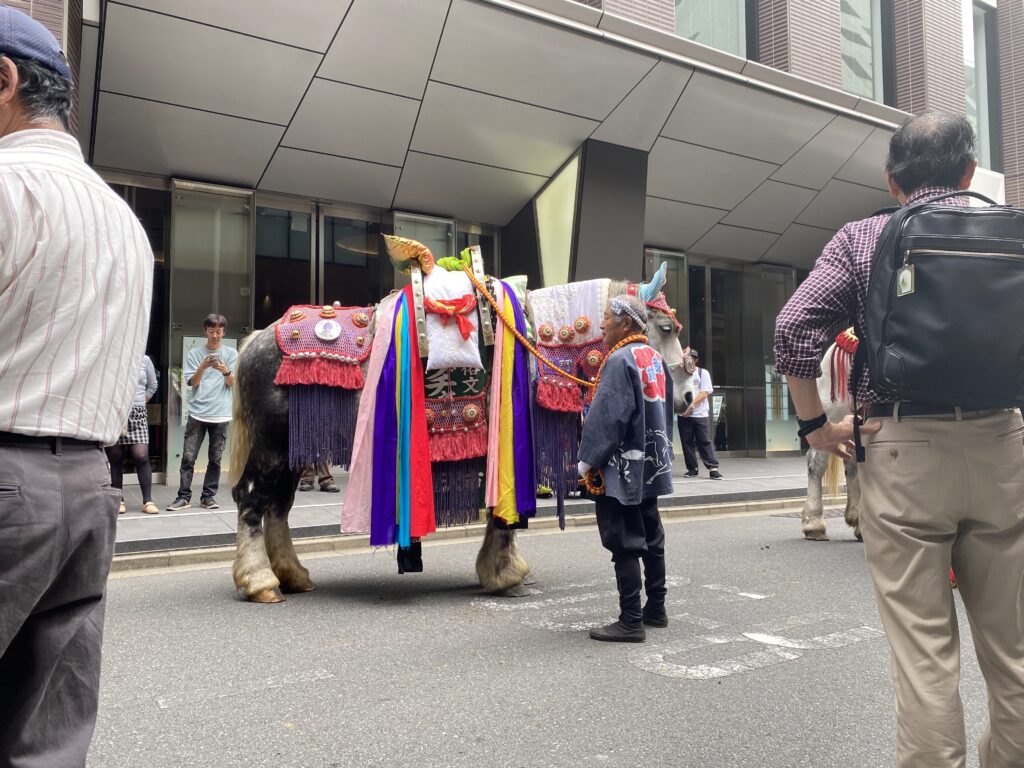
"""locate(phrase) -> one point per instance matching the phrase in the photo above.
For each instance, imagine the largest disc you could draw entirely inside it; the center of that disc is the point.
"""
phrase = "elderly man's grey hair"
(631, 307)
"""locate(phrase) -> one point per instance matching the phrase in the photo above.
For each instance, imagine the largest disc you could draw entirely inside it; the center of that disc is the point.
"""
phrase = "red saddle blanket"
(323, 345)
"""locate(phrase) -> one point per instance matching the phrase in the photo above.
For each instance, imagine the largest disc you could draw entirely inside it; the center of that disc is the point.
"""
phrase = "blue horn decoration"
(649, 291)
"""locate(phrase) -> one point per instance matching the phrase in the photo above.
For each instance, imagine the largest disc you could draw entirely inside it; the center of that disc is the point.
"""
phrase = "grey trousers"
(936, 493)
(58, 514)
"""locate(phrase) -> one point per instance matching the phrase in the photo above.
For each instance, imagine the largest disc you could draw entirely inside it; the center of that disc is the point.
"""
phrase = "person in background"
(76, 281)
(209, 371)
(321, 472)
(136, 436)
(694, 432)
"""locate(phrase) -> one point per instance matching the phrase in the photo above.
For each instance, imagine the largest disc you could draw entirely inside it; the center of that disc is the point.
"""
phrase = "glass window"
(696, 327)
(352, 261)
(283, 248)
(721, 24)
(861, 30)
(978, 28)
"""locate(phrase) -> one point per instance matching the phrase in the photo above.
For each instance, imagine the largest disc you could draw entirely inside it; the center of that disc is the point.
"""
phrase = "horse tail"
(833, 473)
(241, 440)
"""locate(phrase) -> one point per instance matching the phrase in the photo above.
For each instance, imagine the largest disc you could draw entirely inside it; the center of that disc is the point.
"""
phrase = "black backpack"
(945, 306)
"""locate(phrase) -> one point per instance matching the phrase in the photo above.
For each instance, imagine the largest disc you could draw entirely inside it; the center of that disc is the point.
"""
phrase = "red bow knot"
(446, 309)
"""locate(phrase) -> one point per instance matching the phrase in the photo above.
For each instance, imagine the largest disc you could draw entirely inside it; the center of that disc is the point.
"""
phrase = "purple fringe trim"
(556, 437)
(321, 425)
(457, 489)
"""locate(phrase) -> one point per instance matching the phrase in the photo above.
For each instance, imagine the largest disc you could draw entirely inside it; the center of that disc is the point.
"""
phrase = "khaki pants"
(940, 492)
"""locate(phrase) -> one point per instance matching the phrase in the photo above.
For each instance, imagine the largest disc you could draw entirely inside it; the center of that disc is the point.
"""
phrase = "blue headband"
(621, 307)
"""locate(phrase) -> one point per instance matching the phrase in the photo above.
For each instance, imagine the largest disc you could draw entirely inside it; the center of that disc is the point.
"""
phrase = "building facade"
(265, 147)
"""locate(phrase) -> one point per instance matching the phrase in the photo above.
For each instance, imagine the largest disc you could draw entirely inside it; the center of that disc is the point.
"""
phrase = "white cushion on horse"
(560, 306)
(448, 348)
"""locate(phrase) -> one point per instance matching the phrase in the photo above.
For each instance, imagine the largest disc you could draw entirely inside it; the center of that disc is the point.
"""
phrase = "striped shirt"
(76, 279)
(832, 298)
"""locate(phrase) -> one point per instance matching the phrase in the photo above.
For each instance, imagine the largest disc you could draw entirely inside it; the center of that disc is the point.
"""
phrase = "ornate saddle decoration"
(323, 345)
(322, 349)
(456, 402)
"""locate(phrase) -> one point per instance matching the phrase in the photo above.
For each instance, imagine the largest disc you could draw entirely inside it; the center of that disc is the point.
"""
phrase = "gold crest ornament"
(471, 413)
(546, 331)
(295, 333)
(594, 358)
(582, 325)
(295, 316)
(360, 319)
(403, 252)
(328, 312)
(566, 334)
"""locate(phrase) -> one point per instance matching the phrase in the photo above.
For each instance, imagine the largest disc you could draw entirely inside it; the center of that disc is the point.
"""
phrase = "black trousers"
(632, 534)
(195, 431)
(58, 515)
(695, 436)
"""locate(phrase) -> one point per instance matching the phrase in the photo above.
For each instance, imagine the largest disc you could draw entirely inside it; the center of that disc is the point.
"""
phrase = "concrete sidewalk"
(319, 514)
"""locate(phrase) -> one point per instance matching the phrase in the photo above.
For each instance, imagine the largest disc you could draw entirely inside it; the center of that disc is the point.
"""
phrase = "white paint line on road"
(735, 591)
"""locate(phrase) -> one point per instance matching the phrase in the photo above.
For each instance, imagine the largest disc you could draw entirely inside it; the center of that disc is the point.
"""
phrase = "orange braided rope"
(519, 337)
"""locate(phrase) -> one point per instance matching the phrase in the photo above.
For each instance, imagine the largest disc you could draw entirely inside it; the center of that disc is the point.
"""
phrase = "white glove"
(583, 468)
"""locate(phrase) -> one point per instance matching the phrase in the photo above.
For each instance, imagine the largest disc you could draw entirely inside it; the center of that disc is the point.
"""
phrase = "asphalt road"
(774, 657)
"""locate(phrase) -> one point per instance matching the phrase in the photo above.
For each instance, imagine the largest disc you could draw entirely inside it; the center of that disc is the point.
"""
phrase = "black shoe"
(210, 503)
(691, 473)
(410, 559)
(330, 488)
(305, 485)
(179, 503)
(617, 632)
(715, 474)
(656, 618)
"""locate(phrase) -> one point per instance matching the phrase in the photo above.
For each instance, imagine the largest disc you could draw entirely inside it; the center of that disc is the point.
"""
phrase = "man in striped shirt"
(75, 288)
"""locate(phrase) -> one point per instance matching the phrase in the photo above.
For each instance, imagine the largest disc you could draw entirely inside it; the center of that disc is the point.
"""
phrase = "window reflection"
(283, 246)
(351, 261)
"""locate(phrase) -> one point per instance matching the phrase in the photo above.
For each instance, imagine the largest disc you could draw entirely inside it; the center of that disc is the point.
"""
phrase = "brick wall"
(929, 55)
(1010, 23)
(773, 33)
(660, 14)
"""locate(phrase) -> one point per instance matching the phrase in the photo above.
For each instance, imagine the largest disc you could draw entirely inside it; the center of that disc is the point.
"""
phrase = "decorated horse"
(823, 468)
(433, 399)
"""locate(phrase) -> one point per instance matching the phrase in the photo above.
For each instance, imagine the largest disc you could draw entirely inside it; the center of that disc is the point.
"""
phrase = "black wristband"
(811, 425)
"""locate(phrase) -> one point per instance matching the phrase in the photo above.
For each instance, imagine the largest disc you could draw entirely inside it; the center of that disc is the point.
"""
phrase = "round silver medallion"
(327, 330)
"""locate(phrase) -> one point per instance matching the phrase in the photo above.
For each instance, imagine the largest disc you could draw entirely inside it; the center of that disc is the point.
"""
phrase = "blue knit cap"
(23, 37)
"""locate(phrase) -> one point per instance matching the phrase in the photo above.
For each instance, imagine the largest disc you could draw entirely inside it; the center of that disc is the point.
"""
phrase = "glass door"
(210, 271)
(283, 243)
(353, 269)
(777, 285)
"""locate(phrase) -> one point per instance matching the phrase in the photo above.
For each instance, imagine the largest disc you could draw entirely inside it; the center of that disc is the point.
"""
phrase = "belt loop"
(57, 446)
(896, 411)
(958, 413)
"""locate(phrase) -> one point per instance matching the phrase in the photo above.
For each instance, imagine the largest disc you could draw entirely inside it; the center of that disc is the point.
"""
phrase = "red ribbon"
(457, 308)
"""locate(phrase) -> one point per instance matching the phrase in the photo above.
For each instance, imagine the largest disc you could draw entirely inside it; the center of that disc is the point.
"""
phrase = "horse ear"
(649, 291)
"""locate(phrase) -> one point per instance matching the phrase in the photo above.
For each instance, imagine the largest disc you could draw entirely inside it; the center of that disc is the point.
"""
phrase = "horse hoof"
(529, 579)
(266, 596)
(858, 534)
(292, 589)
(815, 536)
(517, 591)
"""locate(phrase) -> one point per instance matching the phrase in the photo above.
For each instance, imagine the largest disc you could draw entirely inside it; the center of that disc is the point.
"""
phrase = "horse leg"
(852, 514)
(499, 566)
(294, 576)
(252, 571)
(813, 512)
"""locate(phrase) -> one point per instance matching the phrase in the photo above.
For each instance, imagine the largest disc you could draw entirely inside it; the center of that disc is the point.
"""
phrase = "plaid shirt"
(832, 298)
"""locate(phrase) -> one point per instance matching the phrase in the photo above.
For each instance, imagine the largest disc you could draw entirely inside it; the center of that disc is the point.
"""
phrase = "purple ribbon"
(522, 426)
(383, 526)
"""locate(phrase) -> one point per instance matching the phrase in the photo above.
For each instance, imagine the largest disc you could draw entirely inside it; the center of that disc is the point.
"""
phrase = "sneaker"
(305, 485)
(715, 474)
(691, 473)
(655, 617)
(179, 503)
(210, 503)
(121, 509)
(330, 488)
(617, 632)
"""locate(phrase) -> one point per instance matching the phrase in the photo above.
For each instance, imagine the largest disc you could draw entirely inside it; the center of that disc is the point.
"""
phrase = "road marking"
(734, 591)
